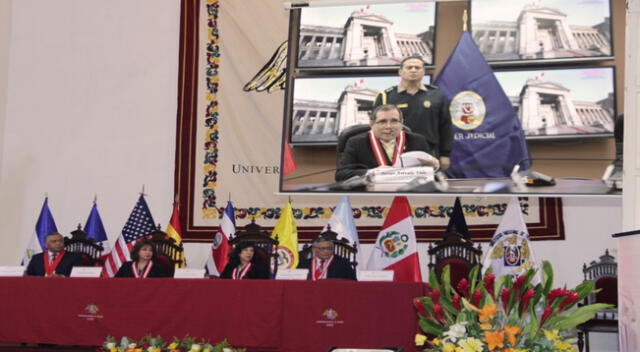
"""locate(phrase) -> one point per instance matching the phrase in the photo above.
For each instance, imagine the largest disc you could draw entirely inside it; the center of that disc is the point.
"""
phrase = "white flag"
(510, 251)
(342, 223)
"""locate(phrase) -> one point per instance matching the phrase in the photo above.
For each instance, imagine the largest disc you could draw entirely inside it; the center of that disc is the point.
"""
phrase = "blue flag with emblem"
(488, 139)
(44, 226)
(95, 229)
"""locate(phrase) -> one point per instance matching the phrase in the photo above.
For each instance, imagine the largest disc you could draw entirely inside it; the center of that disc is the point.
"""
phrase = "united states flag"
(139, 225)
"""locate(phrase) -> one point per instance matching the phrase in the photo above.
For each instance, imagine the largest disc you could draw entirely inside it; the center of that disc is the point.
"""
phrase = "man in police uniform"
(424, 107)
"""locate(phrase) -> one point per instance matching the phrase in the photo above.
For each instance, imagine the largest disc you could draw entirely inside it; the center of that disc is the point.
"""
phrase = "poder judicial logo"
(331, 318)
(467, 110)
(91, 313)
(393, 244)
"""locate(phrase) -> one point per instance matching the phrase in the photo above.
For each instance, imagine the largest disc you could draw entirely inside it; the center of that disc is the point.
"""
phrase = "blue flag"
(44, 226)
(95, 229)
(457, 223)
(488, 139)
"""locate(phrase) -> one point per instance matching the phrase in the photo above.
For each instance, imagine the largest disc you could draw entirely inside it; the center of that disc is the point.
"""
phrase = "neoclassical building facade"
(541, 33)
(547, 108)
(321, 121)
(365, 40)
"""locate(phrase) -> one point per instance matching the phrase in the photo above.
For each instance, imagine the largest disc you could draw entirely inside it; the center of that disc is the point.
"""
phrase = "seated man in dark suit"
(381, 146)
(325, 265)
(55, 261)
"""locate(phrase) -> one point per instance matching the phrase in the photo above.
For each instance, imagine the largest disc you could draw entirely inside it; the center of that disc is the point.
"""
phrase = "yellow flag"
(287, 234)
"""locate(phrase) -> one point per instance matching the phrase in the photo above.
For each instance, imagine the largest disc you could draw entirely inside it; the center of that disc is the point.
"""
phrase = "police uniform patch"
(467, 110)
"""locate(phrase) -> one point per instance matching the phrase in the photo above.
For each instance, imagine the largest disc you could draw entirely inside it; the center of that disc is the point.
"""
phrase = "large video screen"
(526, 30)
(562, 103)
(325, 106)
(366, 35)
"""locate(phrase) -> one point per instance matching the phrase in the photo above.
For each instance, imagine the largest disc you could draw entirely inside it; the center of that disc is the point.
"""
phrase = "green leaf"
(473, 277)
(446, 280)
(433, 280)
(430, 327)
(547, 277)
(584, 289)
(581, 315)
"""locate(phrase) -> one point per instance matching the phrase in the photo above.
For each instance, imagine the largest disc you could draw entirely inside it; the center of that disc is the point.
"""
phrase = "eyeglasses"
(324, 248)
(393, 122)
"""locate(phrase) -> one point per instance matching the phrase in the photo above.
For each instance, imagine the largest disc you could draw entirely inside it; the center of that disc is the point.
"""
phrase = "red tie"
(318, 270)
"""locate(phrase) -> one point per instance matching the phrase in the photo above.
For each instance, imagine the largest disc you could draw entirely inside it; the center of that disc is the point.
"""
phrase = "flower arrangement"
(503, 314)
(151, 343)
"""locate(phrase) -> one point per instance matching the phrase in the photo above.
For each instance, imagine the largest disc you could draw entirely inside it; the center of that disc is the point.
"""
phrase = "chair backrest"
(341, 248)
(169, 253)
(457, 252)
(88, 248)
(604, 274)
(347, 133)
(266, 247)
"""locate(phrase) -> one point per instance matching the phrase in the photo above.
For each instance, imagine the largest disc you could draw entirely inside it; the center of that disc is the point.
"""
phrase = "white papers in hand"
(417, 158)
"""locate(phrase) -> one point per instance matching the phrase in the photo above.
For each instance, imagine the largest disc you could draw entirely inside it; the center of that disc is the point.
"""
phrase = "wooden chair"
(265, 246)
(169, 254)
(341, 248)
(88, 248)
(455, 251)
(604, 274)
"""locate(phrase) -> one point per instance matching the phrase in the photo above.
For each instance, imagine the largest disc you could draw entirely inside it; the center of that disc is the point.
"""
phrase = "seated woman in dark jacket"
(143, 262)
(245, 264)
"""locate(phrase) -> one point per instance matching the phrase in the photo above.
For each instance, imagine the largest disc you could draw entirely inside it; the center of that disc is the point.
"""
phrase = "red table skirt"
(256, 314)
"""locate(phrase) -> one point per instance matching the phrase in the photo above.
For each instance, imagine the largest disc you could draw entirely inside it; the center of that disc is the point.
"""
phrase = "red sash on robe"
(378, 149)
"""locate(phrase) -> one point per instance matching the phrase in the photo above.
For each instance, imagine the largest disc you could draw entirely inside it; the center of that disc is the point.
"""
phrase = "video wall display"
(526, 30)
(562, 102)
(325, 106)
(366, 35)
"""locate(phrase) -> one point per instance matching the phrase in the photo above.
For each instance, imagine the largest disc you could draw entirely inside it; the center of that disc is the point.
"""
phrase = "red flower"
(456, 302)
(518, 285)
(463, 287)
(420, 307)
(571, 298)
(435, 296)
(545, 314)
(439, 313)
(477, 296)
(505, 298)
(555, 293)
(489, 281)
(528, 295)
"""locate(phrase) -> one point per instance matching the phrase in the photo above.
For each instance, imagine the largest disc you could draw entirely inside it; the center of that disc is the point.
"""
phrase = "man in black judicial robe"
(59, 261)
(325, 265)
(379, 146)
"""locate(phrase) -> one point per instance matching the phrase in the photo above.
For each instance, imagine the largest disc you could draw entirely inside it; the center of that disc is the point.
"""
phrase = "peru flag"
(396, 248)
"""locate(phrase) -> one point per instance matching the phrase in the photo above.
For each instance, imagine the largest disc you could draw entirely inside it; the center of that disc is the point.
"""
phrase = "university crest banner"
(229, 138)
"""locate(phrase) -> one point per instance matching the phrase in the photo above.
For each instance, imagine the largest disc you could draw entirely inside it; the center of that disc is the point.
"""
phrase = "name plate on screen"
(375, 275)
(400, 175)
(292, 274)
(12, 271)
(86, 271)
(189, 273)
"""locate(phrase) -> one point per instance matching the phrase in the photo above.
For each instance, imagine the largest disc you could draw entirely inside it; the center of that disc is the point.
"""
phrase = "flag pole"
(95, 198)
(142, 193)
(465, 18)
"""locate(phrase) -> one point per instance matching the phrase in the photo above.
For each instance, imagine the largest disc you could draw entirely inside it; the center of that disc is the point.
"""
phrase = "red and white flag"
(396, 247)
(220, 247)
